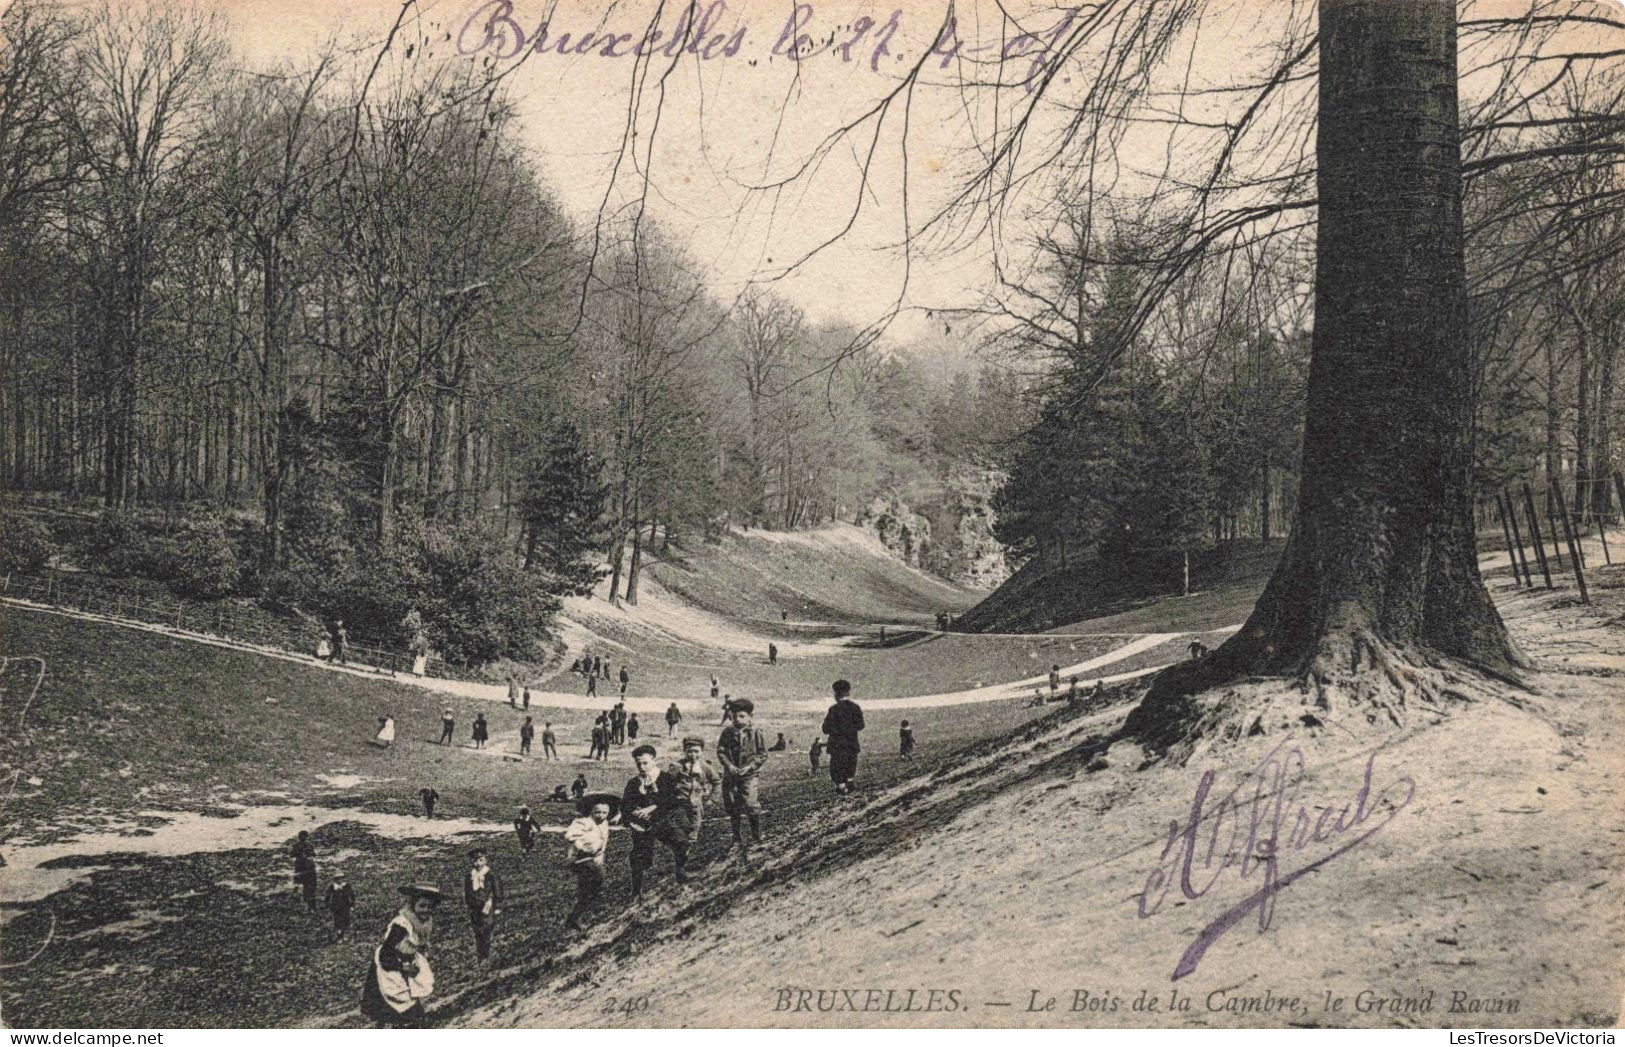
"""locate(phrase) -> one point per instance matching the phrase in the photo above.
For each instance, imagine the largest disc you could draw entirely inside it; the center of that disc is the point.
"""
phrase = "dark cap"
(422, 890)
(744, 705)
(693, 740)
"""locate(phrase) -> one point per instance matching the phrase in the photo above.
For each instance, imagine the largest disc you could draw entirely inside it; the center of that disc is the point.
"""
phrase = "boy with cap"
(652, 810)
(695, 781)
(841, 725)
(742, 751)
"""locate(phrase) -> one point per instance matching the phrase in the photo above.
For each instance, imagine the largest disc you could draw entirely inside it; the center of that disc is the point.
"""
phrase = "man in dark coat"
(482, 893)
(527, 734)
(527, 827)
(841, 725)
(654, 811)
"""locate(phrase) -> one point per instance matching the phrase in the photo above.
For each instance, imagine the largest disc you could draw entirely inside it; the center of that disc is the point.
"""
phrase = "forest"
(321, 336)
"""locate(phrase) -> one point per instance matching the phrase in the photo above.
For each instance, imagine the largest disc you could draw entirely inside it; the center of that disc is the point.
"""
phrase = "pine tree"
(563, 512)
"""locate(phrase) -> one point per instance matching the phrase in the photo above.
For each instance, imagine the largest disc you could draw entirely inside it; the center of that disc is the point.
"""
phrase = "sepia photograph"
(811, 514)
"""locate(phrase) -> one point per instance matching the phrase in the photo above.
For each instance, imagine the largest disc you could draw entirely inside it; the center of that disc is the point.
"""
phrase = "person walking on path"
(525, 698)
(674, 717)
(1073, 695)
(772, 654)
(482, 893)
(816, 753)
(587, 838)
(597, 664)
(549, 742)
(481, 732)
(341, 641)
(1054, 680)
(632, 728)
(727, 710)
(742, 751)
(304, 868)
(625, 678)
(617, 723)
(716, 689)
(842, 724)
(429, 797)
(905, 741)
(592, 685)
(527, 734)
(513, 692)
(400, 978)
(340, 901)
(527, 827)
(447, 724)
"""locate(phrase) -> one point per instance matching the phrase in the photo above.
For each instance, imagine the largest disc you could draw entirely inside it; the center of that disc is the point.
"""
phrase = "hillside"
(1012, 876)
(1086, 596)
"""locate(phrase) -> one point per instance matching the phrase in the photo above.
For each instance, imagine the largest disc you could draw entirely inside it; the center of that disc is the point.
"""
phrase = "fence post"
(1534, 535)
(1575, 560)
(1517, 536)
(1512, 552)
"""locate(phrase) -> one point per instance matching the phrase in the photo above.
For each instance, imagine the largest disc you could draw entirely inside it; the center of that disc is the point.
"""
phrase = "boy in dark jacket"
(841, 725)
(741, 750)
(341, 903)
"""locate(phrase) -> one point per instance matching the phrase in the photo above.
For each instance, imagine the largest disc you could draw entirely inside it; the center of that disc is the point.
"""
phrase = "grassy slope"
(838, 574)
(1224, 584)
(188, 727)
(1016, 869)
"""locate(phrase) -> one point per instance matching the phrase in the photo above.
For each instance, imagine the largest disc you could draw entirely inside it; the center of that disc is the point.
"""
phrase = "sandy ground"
(1480, 872)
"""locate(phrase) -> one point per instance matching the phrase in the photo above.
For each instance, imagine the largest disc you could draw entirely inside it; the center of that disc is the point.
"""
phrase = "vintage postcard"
(646, 514)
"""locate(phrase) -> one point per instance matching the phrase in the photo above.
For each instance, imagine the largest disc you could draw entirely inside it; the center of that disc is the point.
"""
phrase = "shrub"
(201, 560)
(119, 547)
(25, 542)
(479, 604)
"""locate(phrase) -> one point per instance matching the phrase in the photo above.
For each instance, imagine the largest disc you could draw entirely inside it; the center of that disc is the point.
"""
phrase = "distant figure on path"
(400, 978)
(592, 686)
(1054, 679)
(482, 893)
(429, 796)
(625, 678)
(447, 725)
(674, 715)
(324, 648)
(742, 751)
(527, 734)
(341, 641)
(815, 754)
(1073, 695)
(842, 723)
(632, 728)
(304, 869)
(340, 901)
(617, 723)
(784, 616)
(513, 692)
(549, 742)
(1100, 689)
(905, 741)
(587, 838)
(481, 733)
(727, 710)
(772, 654)
(527, 827)
(597, 662)
(525, 698)
(716, 688)
(578, 788)
(386, 732)
(1197, 649)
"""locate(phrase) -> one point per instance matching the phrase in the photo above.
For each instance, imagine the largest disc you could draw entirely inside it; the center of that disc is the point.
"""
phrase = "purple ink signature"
(494, 28)
(1256, 815)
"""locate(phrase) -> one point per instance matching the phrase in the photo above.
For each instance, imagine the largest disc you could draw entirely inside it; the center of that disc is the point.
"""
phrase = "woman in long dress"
(386, 732)
(400, 977)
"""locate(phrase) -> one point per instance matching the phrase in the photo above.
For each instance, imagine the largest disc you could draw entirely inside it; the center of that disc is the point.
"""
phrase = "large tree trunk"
(1381, 572)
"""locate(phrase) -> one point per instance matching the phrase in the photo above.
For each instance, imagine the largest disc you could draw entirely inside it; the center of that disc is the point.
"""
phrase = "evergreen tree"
(563, 512)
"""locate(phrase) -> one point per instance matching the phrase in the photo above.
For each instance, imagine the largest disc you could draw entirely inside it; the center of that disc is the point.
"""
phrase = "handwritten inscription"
(497, 29)
(1255, 829)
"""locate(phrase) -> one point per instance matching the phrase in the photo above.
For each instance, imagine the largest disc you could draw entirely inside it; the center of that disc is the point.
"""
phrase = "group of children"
(593, 667)
(614, 726)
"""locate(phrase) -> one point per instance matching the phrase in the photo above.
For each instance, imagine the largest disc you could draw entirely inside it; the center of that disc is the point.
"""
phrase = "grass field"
(127, 722)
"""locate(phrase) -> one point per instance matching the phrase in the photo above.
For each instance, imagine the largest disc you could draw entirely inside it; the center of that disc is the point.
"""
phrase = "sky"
(741, 116)
(729, 125)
